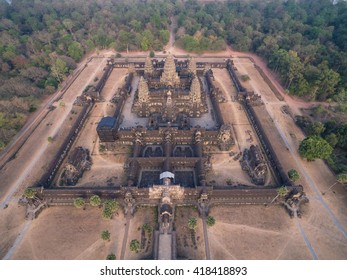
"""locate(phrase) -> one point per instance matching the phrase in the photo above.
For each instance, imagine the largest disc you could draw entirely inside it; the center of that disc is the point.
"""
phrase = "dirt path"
(170, 46)
(207, 245)
(126, 233)
(18, 240)
(304, 236)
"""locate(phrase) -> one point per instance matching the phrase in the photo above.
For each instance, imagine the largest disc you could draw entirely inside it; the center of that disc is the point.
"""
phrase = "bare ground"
(254, 232)
(65, 232)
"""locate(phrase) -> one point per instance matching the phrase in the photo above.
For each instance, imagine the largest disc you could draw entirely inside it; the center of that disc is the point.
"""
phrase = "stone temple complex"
(169, 98)
(167, 125)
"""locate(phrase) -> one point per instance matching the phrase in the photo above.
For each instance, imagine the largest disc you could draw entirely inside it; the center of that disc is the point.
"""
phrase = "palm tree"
(105, 235)
(210, 221)
(79, 202)
(134, 245)
(95, 200)
(29, 193)
(110, 207)
(293, 175)
(192, 222)
(147, 227)
(111, 256)
(281, 192)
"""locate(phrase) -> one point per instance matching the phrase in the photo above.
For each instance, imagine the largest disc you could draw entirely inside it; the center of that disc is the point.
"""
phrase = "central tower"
(169, 76)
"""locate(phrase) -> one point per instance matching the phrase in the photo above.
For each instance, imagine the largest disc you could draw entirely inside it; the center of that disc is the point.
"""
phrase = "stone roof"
(106, 123)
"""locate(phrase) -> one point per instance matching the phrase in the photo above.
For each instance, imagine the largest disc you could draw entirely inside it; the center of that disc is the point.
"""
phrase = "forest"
(304, 42)
(41, 42)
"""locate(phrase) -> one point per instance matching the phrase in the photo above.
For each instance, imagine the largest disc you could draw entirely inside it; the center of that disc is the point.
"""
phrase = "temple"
(167, 95)
(172, 100)
(168, 136)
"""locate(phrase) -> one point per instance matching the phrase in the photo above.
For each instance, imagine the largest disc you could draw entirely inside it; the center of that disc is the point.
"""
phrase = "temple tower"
(148, 66)
(170, 76)
(192, 66)
(143, 90)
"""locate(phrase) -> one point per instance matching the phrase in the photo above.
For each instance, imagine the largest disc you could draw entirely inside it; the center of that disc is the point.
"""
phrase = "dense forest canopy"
(305, 42)
(42, 40)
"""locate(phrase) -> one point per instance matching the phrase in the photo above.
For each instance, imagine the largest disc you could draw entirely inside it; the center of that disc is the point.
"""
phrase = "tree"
(281, 192)
(110, 207)
(317, 128)
(62, 104)
(341, 134)
(152, 54)
(59, 69)
(342, 178)
(50, 139)
(75, 50)
(331, 139)
(192, 222)
(245, 78)
(314, 147)
(105, 235)
(95, 200)
(210, 221)
(293, 175)
(111, 256)
(107, 213)
(79, 202)
(69, 24)
(134, 245)
(30, 193)
(328, 81)
(147, 228)
(146, 40)
(164, 36)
